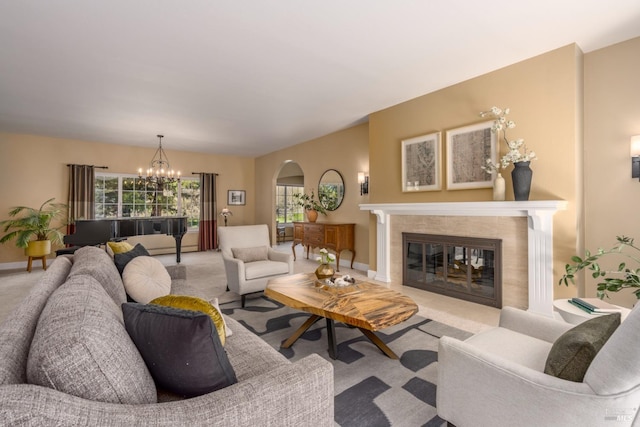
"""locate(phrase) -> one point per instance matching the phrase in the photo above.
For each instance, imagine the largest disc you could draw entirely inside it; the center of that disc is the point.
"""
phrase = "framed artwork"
(236, 197)
(421, 163)
(468, 149)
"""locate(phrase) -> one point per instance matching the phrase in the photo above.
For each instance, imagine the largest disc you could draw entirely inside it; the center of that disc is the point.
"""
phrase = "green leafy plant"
(309, 202)
(612, 281)
(34, 223)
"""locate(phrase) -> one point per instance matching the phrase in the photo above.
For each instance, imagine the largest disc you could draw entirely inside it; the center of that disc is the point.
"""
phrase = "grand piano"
(92, 232)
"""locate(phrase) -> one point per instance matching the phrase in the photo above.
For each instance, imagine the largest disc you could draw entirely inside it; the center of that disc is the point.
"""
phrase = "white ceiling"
(248, 77)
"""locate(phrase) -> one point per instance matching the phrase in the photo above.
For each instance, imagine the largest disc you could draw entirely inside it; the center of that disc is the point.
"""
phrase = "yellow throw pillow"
(119, 247)
(195, 304)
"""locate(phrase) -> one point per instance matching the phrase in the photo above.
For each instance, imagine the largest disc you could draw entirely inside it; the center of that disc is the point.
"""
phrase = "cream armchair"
(249, 260)
(496, 378)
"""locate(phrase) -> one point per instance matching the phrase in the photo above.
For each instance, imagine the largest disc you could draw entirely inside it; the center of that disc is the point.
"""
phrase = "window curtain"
(81, 199)
(208, 235)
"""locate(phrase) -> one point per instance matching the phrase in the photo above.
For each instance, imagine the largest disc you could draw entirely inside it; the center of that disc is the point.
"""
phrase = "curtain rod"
(200, 173)
(98, 167)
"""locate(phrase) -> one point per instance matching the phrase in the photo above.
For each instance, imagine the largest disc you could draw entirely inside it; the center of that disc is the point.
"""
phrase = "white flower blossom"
(518, 151)
(325, 257)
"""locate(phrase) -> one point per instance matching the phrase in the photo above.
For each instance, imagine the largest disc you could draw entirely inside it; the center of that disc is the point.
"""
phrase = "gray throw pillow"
(258, 253)
(180, 347)
(572, 353)
(121, 260)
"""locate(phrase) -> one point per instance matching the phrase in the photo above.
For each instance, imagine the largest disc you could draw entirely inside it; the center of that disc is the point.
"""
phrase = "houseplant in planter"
(29, 223)
(310, 204)
(612, 280)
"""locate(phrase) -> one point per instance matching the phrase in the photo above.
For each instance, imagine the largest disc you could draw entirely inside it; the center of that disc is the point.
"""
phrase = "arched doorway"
(290, 180)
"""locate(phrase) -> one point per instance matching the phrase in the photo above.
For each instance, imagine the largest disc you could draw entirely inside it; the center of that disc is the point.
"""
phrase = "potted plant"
(612, 281)
(34, 223)
(310, 204)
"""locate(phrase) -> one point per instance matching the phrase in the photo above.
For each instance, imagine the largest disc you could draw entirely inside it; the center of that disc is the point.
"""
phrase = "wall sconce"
(635, 156)
(363, 180)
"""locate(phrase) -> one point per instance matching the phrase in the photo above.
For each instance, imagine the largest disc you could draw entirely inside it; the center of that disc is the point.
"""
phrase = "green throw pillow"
(573, 351)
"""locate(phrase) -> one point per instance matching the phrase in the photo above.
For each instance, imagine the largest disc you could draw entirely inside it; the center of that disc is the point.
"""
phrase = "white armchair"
(496, 378)
(249, 260)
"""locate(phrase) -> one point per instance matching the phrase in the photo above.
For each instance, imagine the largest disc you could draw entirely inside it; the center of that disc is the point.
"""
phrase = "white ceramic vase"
(498, 187)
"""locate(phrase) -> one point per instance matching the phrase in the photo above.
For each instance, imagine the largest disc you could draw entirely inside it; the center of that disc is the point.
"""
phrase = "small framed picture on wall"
(236, 197)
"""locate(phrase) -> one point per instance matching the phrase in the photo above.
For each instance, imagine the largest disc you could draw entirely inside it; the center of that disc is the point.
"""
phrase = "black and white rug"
(370, 388)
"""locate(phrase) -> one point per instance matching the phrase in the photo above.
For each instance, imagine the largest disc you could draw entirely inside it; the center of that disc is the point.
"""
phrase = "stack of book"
(594, 305)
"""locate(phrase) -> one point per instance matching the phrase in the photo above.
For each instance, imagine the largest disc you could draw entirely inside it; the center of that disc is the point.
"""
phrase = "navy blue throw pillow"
(181, 348)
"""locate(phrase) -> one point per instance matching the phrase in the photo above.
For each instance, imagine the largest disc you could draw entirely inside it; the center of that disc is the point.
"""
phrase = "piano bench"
(67, 251)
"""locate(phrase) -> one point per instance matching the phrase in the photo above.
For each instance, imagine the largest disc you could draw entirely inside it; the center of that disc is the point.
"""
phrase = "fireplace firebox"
(467, 268)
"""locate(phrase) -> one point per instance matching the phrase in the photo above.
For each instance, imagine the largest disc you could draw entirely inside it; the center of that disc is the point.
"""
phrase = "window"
(119, 195)
(286, 209)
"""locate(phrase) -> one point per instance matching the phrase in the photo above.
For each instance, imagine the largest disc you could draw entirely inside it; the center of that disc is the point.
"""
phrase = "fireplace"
(527, 276)
(467, 268)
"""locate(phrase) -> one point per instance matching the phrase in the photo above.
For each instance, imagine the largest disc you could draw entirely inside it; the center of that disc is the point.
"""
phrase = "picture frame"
(236, 197)
(421, 163)
(468, 149)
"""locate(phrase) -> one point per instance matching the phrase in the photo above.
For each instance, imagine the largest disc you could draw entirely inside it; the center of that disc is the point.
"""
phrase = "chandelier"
(160, 171)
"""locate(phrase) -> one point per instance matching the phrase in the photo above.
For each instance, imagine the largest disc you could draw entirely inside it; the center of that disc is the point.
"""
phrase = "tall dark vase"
(521, 177)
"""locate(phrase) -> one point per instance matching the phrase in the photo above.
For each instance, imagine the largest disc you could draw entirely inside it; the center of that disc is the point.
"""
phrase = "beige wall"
(544, 94)
(347, 152)
(33, 169)
(612, 116)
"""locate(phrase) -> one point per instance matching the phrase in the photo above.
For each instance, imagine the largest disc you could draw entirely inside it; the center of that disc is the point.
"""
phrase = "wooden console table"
(336, 237)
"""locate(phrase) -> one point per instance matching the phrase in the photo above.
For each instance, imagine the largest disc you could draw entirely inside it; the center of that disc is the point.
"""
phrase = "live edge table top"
(363, 304)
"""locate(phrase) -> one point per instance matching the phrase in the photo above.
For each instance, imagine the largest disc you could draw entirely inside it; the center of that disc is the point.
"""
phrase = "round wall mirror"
(331, 189)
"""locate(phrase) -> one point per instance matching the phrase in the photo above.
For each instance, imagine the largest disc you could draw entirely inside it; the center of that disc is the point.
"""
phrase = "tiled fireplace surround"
(526, 230)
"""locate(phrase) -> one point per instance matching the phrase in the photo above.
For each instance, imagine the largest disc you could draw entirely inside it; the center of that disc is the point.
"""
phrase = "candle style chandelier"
(160, 171)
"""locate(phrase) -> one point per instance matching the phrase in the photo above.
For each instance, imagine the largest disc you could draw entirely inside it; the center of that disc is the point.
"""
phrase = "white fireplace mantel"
(540, 237)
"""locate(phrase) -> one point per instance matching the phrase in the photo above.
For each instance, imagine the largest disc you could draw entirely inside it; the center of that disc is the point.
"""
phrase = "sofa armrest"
(281, 257)
(234, 269)
(533, 325)
(289, 395)
(479, 388)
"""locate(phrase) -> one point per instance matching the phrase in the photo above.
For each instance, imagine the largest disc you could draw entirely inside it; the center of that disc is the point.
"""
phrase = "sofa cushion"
(256, 269)
(181, 348)
(186, 302)
(258, 253)
(95, 262)
(145, 278)
(572, 353)
(81, 348)
(248, 364)
(121, 260)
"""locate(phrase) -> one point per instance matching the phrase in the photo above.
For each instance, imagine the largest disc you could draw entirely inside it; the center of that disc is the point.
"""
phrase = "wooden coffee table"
(367, 306)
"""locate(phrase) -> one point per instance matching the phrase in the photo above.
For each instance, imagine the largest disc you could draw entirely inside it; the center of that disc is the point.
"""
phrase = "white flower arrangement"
(518, 151)
(325, 257)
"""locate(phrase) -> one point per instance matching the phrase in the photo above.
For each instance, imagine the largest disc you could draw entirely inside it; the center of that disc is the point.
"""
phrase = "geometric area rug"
(370, 389)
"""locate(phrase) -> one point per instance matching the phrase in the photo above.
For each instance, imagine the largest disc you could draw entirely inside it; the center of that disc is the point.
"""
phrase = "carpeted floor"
(370, 388)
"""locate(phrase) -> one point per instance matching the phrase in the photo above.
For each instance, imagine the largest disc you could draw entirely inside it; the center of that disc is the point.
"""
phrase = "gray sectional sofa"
(73, 316)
